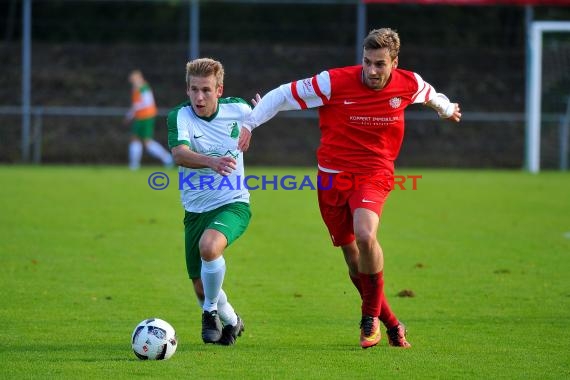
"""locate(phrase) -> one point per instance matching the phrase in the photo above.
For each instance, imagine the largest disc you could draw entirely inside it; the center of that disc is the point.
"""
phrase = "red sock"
(386, 316)
(372, 289)
(356, 282)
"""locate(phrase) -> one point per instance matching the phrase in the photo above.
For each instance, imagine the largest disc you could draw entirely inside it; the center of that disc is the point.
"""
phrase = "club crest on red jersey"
(395, 102)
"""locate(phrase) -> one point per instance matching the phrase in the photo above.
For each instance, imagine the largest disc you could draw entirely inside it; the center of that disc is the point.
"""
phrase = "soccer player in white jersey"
(361, 117)
(203, 135)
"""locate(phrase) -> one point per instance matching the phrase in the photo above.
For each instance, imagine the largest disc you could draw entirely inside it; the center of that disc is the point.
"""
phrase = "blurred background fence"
(82, 52)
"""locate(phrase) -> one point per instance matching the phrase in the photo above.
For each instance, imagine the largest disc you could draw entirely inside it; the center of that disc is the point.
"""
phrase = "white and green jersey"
(203, 189)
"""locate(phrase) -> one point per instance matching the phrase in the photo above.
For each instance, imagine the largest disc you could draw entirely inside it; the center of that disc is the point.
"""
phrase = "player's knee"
(365, 240)
(208, 252)
(212, 245)
(209, 249)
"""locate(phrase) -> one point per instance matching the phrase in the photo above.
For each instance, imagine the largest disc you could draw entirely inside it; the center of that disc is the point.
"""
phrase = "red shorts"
(341, 193)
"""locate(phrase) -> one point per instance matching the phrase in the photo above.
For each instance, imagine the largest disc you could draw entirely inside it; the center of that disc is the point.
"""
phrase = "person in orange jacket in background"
(142, 115)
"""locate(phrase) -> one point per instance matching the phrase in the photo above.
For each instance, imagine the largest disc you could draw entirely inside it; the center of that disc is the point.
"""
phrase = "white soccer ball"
(154, 339)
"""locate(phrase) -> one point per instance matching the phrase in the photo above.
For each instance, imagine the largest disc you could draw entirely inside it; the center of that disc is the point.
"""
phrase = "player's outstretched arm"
(184, 156)
(265, 109)
(445, 109)
(297, 95)
(456, 117)
(245, 133)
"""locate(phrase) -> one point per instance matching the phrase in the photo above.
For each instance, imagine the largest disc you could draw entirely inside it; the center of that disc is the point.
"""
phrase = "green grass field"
(88, 252)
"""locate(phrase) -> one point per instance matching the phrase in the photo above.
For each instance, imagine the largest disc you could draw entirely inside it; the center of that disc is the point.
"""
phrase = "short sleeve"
(178, 129)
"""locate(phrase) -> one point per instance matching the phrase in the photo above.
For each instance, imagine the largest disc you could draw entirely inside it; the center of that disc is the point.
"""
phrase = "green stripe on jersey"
(233, 99)
(172, 123)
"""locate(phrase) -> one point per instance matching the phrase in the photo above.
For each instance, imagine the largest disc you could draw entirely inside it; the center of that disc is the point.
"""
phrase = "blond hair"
(383, 38)
(204, 67)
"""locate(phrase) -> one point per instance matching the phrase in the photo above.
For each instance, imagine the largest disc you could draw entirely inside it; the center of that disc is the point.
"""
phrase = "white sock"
(135, 153)
(156, 150)
(225, 309)
(212, 274)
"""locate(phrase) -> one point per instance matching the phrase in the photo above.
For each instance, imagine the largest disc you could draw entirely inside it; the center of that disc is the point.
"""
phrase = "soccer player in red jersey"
(361, 117)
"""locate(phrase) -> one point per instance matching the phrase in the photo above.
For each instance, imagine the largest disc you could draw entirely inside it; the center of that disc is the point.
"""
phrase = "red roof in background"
(474, 2)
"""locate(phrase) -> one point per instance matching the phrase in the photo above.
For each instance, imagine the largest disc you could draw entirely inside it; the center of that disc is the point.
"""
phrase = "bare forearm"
(183, 156)
(191, 159)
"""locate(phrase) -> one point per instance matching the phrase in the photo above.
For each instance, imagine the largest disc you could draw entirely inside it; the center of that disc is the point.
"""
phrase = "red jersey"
(361, 129)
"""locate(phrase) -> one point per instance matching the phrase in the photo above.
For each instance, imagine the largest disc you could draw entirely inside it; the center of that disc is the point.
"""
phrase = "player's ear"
(395, 63)
(219, 91)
